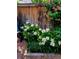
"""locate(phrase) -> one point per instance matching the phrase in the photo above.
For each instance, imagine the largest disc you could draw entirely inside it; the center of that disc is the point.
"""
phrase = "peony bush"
(41, 40)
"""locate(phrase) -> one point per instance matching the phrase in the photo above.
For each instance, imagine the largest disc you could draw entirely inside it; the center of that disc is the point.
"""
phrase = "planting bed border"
(42, 56)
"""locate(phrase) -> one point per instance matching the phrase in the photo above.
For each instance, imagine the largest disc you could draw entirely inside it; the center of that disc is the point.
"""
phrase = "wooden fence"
(36, 13)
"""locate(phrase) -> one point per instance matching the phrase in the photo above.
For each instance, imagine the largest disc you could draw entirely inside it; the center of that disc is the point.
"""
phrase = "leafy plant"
(41, 40)
(39, 1)
(55, 15)
(57, 2)
(54, 10)
(49, 6)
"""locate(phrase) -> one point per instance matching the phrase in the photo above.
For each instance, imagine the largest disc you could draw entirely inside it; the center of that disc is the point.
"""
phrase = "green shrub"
(41, 40)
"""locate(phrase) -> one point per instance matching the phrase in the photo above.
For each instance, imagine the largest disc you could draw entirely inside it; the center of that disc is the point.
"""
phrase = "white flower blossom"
(59, 42)
(43, 31)
(41, 43)
(47, 38)
(52, 44)
(40, 29)
(35, 33)
(40, 37)
(47, 29)
(22, 27)
(25, 29)
(44, 39)
(27, 22)
(32, 25)
(52, 40)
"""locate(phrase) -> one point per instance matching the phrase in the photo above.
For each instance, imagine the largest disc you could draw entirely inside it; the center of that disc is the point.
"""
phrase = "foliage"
(40, 1)
(41, 40)
(55, 15)
(57, 2)
(54, 10)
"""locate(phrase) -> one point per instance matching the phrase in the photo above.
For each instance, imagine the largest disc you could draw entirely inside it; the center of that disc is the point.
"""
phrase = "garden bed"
(43, 41)
(38, 55)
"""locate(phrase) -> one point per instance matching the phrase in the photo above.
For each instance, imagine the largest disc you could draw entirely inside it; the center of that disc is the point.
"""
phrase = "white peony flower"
(25, 29)
(42, 43)
(35, 33)
(40, 37)
(44, 39)
(32, 25)
(59, 42)
(47, 29)
(52, 40)
(52, 44)
(47, 38)
(43, 31)
(40, 29)
(27, 22)
(22, 27)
